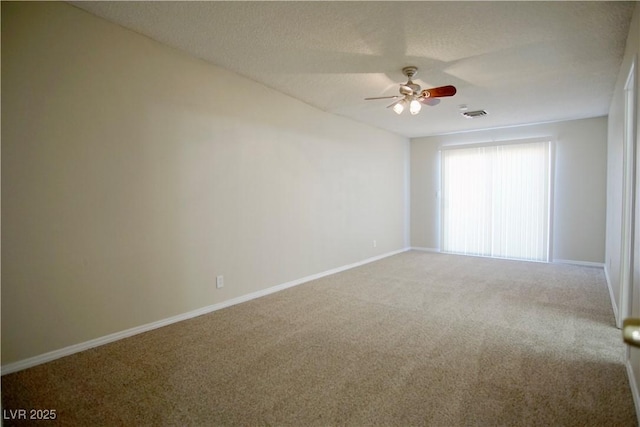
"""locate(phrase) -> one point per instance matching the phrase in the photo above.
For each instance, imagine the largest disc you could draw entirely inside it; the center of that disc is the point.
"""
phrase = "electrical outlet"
(375, 244)
(219, 282)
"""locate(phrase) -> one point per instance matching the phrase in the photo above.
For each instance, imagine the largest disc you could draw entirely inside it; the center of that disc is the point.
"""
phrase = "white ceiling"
(523, 62)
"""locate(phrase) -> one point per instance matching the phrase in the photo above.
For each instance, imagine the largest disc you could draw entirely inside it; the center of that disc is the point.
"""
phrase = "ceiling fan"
(412, 96)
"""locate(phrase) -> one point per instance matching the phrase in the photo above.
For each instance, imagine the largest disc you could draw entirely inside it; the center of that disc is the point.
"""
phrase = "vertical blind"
(495, 200)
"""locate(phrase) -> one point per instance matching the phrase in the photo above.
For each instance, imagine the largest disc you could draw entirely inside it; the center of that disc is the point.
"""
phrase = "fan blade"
(382, 97)
(429, 101)
(438, 92)
(393, 104)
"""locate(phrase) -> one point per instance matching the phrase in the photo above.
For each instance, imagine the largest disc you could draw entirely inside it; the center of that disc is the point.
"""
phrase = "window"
(495, 200)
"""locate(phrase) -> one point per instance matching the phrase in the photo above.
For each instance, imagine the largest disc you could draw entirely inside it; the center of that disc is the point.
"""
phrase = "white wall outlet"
(219, 282)
(375, 244)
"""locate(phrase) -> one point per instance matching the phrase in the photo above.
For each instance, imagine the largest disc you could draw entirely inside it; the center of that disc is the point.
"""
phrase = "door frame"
(628, 196)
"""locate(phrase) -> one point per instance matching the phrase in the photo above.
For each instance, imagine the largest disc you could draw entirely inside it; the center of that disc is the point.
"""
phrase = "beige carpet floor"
(414, 339)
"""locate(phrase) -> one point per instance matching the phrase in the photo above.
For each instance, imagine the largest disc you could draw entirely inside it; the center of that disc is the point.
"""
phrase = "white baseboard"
(635, 388)
(614, 304)
(76, 348)
(417, 248)
(582, 263)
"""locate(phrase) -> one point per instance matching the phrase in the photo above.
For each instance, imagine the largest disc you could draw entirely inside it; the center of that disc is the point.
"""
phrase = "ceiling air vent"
(474, 114)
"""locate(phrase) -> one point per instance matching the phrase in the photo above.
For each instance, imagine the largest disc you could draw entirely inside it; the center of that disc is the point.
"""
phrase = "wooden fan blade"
(382, 97)
(438, 92)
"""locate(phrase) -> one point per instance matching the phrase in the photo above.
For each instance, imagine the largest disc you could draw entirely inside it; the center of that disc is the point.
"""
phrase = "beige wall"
(579, 190)
(615, 191)
(133, 174)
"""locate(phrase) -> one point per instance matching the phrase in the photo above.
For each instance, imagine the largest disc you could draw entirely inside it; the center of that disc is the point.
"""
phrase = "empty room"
(320, 213)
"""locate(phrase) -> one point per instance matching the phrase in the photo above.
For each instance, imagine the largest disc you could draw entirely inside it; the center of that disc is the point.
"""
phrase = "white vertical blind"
(495, 200)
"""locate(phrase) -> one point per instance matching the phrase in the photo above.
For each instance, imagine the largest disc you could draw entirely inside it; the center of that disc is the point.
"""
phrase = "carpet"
(413, 339)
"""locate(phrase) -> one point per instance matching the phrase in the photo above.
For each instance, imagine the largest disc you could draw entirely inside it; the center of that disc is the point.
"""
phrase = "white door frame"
(628, 196)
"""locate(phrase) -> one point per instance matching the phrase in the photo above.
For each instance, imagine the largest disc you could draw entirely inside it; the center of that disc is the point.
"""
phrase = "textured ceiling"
(523, 62)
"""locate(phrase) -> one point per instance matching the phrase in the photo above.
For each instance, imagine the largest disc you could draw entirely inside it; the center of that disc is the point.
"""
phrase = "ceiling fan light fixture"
(415, 107)
(399, 107)
(412, 96)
